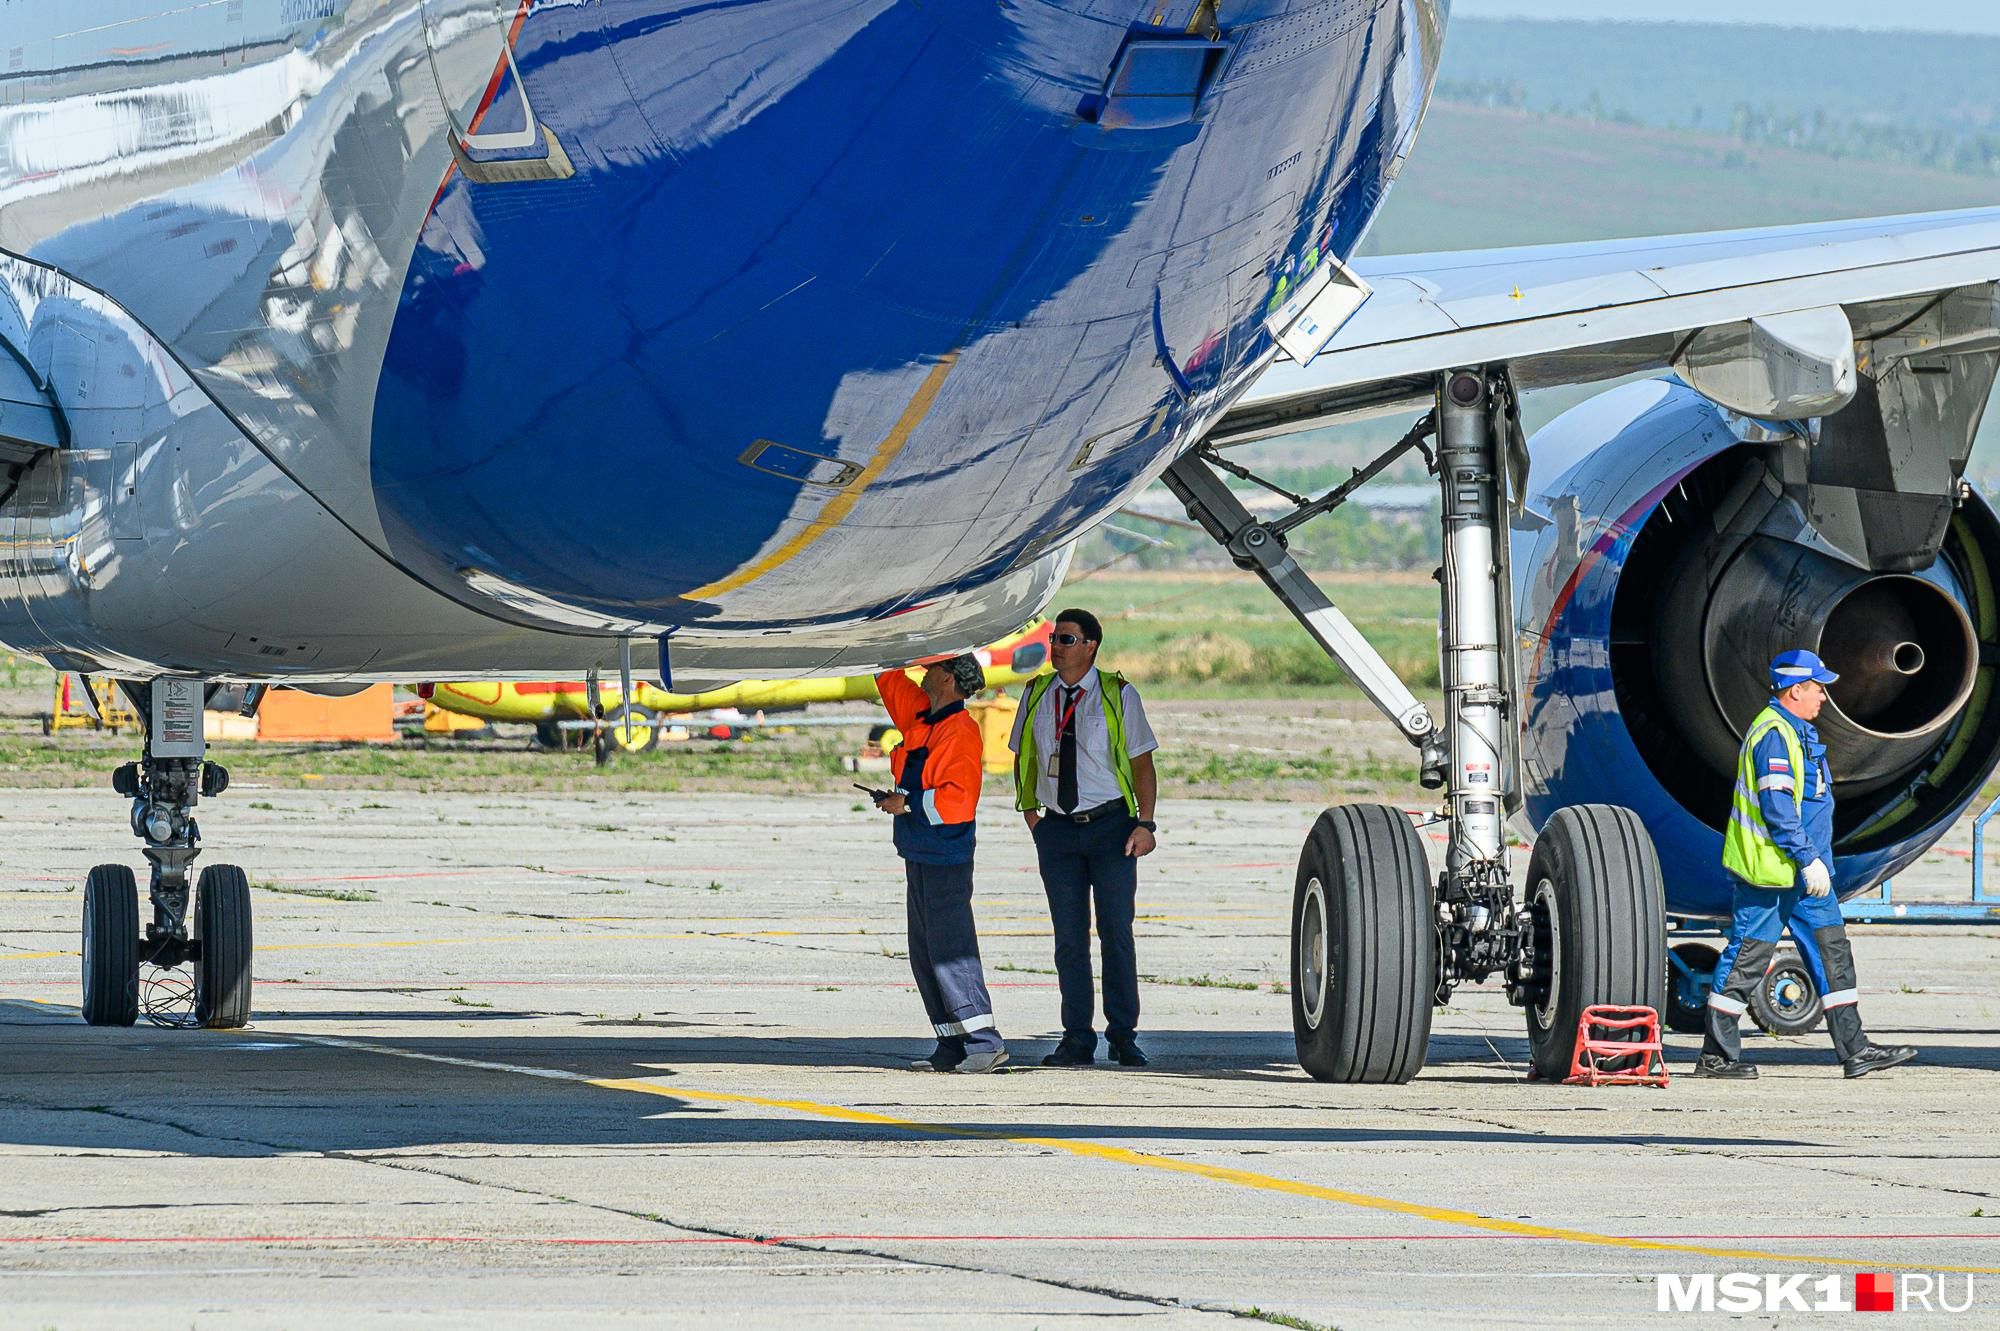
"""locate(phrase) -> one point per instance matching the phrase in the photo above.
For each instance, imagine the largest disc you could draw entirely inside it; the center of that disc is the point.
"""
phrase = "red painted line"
(765, 1240)
(490, 869)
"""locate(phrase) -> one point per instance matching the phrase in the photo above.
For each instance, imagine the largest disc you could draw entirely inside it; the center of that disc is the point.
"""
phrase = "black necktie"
(1066, 750)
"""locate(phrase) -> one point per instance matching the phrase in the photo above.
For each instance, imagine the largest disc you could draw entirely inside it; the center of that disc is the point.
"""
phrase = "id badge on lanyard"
(1065, 718)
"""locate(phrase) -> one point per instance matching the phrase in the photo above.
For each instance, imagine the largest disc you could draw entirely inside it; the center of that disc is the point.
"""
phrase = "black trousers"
(944, 954)
(1081, 864)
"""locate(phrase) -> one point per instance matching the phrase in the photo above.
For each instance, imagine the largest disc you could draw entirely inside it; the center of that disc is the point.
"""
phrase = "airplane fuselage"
(404, 339)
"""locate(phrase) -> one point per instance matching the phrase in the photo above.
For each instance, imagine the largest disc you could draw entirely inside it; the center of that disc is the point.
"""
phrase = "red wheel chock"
(1599, 1048)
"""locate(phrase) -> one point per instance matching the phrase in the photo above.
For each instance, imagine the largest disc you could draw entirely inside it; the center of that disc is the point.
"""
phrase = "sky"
(1920, 15)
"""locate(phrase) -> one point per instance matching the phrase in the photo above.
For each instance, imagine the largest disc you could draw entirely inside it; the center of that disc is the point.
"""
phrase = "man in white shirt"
(1084, 780)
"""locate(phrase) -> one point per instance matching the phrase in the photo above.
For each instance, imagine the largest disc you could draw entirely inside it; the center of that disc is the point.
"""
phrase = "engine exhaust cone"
(1903, 647)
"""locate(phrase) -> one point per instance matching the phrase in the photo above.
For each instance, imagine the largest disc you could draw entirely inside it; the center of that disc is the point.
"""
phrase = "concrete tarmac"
(641, 1060)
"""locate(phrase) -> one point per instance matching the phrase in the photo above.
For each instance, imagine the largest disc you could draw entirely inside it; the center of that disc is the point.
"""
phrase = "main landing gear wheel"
(1364, 947)
(222, 923)
(1787, 1002)
(110, 946)
(1690, 972)
(1599, 916)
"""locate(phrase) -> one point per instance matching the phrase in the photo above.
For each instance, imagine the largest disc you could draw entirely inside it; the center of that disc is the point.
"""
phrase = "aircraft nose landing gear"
(170, 778)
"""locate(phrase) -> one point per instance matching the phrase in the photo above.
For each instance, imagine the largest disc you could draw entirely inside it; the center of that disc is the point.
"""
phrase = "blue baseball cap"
(1798, 666)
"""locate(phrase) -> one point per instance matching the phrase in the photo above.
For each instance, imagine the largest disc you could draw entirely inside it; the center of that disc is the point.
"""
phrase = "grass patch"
(1207, 634)
(462, 1001)
(1203, 981)
(1278, 1319)
(319, 893)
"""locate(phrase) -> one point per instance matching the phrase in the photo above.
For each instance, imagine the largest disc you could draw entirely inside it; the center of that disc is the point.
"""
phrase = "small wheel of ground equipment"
(1364, 947)
(110, 946)
(222, 923)
(1599, 915)
(1786, 1003)
(632, 730)
(1690, 972)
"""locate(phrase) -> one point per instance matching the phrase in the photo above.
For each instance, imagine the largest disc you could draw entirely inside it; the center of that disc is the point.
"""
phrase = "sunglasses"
(1066, 639)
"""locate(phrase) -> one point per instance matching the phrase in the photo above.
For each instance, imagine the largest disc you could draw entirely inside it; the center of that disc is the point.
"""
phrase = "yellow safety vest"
(1028, 761)
(1747, 848)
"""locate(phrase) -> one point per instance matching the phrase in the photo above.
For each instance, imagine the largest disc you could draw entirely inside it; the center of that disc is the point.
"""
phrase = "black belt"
(1082, 816)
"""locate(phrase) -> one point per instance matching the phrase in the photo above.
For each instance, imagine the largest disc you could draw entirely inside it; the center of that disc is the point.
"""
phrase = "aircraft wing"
(1580, 313)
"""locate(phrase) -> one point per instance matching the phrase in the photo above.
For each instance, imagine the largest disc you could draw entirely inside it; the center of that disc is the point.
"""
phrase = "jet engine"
(1670, 549)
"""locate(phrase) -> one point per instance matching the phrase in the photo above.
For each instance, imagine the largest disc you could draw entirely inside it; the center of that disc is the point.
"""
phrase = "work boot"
(1877, 1057)
(1723, 1069)
(986, 1060)
(1127, 1054)
(948, 1055)
(1070, 1054)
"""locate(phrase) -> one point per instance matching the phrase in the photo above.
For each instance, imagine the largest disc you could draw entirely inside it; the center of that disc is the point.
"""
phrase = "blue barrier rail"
(1983, 907)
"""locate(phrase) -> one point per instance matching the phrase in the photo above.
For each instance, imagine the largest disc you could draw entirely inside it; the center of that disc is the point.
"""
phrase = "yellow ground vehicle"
(636, 727)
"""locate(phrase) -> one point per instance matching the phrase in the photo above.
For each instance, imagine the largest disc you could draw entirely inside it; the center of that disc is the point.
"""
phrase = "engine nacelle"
(1678, 560)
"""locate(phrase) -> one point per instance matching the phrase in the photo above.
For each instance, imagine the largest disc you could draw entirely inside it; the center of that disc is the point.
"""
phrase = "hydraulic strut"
(1260, 548)
(1477, 919)
(1475, 697)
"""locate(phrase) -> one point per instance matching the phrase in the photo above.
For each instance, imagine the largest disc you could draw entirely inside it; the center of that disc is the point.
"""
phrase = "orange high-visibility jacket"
(952, 768)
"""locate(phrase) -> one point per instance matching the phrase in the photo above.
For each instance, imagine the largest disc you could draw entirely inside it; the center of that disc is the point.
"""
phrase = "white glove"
(1819, 880)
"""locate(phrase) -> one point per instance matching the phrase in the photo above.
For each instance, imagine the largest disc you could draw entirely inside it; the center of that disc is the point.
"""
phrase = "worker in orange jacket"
(938, 770)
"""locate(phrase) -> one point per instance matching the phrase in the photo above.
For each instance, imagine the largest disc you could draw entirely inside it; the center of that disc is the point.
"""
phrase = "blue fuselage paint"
(879, 241)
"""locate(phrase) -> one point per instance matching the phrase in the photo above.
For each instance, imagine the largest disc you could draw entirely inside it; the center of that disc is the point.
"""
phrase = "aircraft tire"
(110, 946)
(1787, 1002)
(1687, 999)
(222, 922)
(1364, 947)
(641, 735)
(1599, 912)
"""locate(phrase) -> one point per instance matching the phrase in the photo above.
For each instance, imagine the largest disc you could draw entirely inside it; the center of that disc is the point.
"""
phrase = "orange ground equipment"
(293, 716)
(1602, 1051)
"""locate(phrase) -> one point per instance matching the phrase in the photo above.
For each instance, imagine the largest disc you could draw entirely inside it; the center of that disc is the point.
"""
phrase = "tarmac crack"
(807, 1246)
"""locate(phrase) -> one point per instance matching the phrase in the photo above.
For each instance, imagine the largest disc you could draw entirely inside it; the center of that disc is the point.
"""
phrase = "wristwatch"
(1149, 824)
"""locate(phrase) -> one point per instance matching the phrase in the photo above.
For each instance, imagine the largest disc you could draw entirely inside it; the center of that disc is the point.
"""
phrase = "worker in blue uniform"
(1778, 848)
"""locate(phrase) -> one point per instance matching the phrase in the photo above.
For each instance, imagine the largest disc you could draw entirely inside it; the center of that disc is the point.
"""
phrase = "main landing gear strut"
(164, 785)
(1377, 941)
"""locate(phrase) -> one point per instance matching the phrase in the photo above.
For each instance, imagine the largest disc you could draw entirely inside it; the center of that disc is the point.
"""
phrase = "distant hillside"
(1919, 98)
(1481, 177)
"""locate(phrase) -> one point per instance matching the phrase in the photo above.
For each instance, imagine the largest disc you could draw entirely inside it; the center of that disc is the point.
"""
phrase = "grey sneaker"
(988, 1061)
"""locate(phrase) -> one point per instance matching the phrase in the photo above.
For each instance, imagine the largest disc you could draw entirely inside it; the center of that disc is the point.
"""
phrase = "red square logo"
(1874, 1293)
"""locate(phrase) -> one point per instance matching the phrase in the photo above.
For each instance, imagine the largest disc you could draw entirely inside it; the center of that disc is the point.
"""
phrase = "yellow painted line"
(1242, 1178)
(836, 509)
(35, 956)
